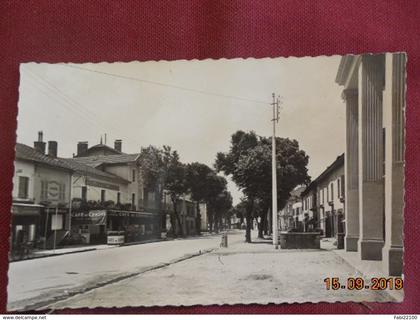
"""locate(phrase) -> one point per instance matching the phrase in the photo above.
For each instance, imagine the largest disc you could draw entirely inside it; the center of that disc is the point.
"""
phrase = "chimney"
(118, 145)
(82, 148)
(40, 145)
(52, 149)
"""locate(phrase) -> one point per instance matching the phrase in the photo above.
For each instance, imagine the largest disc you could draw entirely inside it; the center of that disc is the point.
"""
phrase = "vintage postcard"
(169, 183)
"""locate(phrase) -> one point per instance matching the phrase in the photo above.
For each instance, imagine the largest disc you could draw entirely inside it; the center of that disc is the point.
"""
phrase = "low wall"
(300, 240)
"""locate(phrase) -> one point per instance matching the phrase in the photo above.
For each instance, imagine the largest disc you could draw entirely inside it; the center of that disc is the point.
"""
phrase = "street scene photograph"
(209, 182)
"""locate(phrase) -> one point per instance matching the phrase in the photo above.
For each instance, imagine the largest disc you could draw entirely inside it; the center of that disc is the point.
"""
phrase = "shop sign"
(56, 222)
(131, 214)
(53, 191)
(26, 210)
(97, 217)
(115, 239)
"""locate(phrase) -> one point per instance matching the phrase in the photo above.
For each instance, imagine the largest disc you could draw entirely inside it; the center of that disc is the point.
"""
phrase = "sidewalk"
(366, 268)
(36, 254)
(84, 248)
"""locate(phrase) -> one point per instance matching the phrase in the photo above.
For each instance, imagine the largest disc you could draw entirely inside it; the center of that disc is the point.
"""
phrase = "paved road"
(37, 282)
(240, 274)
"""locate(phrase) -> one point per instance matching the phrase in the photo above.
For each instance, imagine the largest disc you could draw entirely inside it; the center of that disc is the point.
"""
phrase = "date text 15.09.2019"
(360, 284)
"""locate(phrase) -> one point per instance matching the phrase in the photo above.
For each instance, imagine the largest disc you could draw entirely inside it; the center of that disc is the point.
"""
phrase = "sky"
(194, 106)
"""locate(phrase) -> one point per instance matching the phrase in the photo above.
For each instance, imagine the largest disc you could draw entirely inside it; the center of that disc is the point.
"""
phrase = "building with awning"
(41, 187)
(25, 218)
(108, 183)
(135, 225)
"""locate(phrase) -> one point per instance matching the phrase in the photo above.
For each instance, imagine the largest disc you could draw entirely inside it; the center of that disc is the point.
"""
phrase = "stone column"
(351, 170)
(394, 106)
(371, 186)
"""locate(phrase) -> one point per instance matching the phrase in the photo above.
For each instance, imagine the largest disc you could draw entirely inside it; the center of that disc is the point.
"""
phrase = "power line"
(64, 105)
(165, 84)
(75, 107)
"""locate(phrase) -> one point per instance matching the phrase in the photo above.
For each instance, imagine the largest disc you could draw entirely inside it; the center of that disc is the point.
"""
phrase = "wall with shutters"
(329, 191)
(125, 171)
(52, 184)
(94, 189)
(23, 169)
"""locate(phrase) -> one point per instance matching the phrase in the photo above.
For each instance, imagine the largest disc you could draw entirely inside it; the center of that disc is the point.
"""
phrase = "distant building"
(187, 212)
(318, 206)
(291, 216)
(327, 204)
(83, 149)
(310, 210)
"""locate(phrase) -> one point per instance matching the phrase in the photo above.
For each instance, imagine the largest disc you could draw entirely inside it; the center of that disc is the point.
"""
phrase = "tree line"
(248, 162)
(164, 173)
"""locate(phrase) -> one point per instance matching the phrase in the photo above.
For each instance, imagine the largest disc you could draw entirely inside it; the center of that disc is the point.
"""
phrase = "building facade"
(110, 181)
(374, 94)
(291, 216)
(41, 196)
(330, 198)
(310, 210)
(187, 212)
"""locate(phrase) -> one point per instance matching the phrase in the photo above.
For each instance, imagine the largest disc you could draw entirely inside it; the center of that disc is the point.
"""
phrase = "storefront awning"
(26, 209)
(98, 217)
(131, 214)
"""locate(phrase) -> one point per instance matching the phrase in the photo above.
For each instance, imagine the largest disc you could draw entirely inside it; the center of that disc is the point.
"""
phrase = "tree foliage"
(163, 171)
(249, 163)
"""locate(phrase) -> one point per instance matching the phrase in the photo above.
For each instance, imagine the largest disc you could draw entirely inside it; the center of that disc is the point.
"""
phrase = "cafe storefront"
(102, 226)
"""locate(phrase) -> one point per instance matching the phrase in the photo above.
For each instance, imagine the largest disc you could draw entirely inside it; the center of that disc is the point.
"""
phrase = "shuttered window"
(62, 192)
(44, 190)
(84, 193)
(23, 187)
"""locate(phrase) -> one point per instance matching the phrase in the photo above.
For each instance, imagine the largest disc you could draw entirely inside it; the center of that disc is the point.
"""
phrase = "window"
(119, 197)
(332, 192)
(338, 189)
(133, 200)
(44, 190)
(23, 187)
(102, 195)
(62, 192)
(84, 193)
(133, 175)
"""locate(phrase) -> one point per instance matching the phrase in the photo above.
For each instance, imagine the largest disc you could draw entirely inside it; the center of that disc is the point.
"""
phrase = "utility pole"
(275, 120)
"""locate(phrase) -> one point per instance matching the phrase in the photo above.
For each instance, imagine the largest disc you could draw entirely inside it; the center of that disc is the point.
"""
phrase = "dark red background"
(94, 31)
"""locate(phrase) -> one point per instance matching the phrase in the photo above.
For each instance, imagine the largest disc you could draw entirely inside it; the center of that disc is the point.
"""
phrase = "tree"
(216, 185)
(175, 182)
(249, 164)
(162, 171)
(198, 176)
(221, 205)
